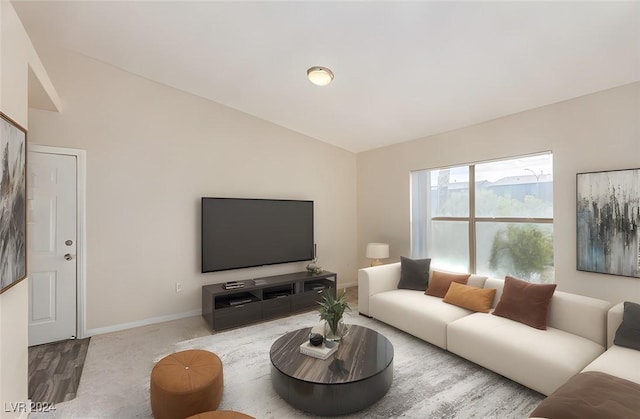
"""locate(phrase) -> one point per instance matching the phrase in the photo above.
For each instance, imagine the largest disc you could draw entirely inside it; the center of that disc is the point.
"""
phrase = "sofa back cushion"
(440, 282)
(476, 281)
(580, 315)
(525, 302)
(498, 285)
(577, 314)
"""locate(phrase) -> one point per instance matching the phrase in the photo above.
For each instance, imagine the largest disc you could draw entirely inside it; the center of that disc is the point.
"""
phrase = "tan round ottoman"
(221, 414)
(186, 383)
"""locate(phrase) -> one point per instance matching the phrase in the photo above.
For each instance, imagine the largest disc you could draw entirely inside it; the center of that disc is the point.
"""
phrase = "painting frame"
(13, 203)
(608, 222)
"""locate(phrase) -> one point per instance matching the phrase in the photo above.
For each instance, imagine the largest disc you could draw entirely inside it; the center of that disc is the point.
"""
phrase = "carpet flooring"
(55, 370)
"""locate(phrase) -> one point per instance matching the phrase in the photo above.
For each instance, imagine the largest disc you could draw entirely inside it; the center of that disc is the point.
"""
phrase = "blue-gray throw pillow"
(414, 274)
(628, 334)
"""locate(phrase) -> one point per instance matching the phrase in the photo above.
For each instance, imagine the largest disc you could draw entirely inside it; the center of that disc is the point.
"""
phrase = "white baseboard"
(349, 285)
(144, 322)
(160, 319)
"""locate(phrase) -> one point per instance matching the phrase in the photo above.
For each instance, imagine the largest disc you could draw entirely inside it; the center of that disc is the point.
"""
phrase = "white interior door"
(51, 246)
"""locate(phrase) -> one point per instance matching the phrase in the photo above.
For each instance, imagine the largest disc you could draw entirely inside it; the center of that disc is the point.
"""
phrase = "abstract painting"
(13, 256)
(608, 214)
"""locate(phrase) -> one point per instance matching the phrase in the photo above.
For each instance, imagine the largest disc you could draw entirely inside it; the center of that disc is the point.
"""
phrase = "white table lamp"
(377, 251)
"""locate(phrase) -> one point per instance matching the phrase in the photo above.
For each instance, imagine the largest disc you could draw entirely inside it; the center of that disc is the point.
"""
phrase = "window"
(492, 218)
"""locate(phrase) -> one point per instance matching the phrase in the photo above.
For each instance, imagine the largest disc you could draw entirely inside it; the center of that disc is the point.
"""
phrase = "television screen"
(241, 233)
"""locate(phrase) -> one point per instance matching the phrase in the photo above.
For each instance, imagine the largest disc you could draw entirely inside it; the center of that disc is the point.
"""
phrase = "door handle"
(68, 256)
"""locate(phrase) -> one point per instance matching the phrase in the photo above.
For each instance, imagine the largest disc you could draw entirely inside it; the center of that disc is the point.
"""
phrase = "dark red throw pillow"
(526, 303)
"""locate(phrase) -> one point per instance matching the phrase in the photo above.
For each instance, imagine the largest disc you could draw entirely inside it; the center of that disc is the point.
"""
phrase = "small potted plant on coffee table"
(331, 311)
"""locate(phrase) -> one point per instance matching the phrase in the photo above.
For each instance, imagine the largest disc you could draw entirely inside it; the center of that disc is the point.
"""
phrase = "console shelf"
(264, 298)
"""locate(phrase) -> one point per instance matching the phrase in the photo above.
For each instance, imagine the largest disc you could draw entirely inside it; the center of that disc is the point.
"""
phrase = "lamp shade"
(377, 251)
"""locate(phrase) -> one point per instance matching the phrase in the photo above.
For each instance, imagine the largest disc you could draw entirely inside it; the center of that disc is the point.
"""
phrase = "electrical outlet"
(178, 286)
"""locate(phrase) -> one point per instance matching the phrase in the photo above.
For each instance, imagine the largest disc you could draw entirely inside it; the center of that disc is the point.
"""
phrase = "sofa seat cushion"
(539, 359)
(421, 315)
(619, 361)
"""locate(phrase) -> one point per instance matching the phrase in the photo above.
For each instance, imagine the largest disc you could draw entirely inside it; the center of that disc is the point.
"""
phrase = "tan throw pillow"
(524, 302)
(440, 281)
(472, 298)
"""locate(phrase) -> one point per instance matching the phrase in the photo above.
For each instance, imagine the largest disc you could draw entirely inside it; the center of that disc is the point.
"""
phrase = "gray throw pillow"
(628, 334)
(414, 274)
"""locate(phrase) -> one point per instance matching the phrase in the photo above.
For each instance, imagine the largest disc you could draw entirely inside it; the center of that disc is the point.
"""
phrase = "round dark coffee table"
(357, 375)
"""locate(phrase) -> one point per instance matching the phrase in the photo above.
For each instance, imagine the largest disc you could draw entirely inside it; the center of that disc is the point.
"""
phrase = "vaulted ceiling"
(403, 70)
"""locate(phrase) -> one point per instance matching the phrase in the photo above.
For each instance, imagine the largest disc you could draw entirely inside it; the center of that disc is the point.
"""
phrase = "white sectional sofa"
(539, 359)
(542, 360)
(609, 387)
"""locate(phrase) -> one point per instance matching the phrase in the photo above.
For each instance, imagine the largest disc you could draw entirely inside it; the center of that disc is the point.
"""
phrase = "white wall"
(17, 56)
(13, 302)
(591, 133)
(152, 152)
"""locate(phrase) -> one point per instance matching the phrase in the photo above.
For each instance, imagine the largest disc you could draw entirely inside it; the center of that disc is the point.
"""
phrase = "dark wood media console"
(264, 298)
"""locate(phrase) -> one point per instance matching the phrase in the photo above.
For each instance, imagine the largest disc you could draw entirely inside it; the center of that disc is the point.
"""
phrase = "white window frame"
(421, 218)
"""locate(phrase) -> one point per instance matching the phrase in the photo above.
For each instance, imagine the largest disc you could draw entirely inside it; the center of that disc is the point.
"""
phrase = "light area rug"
(428, 382)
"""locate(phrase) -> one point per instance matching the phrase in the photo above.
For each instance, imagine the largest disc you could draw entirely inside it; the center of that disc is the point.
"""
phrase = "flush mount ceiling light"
(320, 76)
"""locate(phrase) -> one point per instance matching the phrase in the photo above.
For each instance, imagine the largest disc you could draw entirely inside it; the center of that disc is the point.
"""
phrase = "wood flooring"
(55, 370)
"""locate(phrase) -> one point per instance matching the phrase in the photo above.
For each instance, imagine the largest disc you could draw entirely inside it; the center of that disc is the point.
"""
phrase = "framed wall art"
(608, 214)
(13, 228)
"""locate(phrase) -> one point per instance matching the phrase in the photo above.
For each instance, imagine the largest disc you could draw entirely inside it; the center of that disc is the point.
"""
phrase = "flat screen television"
(242, 233)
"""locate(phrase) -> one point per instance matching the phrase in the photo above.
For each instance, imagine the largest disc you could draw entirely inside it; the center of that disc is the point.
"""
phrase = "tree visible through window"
(492, 218)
